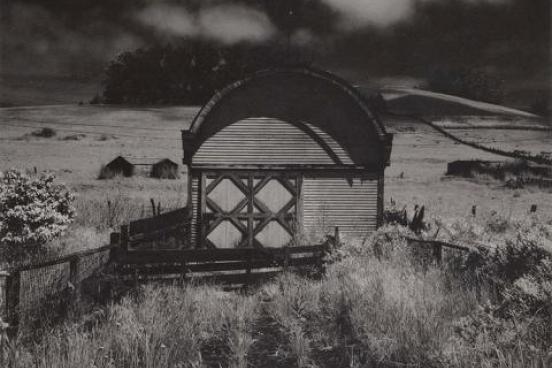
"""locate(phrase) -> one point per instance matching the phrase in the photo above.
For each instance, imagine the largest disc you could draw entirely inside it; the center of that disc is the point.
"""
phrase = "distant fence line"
(515, 154)
(521, 181)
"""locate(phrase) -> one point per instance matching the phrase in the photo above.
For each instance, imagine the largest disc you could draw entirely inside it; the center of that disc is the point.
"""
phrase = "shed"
(164, 169)
(117, 166)
(284, 156)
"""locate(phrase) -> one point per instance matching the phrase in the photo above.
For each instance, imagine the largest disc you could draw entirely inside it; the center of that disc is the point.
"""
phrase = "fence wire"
(40, 286)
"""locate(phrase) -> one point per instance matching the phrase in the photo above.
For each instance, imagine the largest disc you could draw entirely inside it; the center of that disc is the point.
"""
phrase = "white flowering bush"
(33, 210)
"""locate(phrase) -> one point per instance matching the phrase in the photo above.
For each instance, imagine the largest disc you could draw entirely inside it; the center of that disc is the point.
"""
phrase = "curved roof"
(297, 95)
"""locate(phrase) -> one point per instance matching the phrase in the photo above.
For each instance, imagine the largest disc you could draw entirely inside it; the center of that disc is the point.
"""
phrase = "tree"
(465, 82)
(33, 210)
(188, 74)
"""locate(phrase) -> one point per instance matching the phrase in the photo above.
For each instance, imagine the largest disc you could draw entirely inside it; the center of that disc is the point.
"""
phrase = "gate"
(249, 209)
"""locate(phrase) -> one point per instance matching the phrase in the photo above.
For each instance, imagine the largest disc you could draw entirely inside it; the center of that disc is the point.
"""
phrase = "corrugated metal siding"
(194, 203)
(331, 202)
(262, 141)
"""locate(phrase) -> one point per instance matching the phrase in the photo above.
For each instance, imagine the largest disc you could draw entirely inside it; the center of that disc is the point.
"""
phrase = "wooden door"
(243, 209)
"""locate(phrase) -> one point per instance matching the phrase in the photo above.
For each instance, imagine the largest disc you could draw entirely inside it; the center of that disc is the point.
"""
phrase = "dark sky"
(74, 39)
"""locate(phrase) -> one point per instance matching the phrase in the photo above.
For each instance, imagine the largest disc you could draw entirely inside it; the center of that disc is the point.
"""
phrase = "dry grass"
(366, 312)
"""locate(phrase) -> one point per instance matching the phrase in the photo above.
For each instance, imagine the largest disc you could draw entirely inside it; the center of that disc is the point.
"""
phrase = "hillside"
(94, 135)
(421, 102)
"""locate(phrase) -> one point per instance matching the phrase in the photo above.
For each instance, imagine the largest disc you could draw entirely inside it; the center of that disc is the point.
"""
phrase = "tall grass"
(366, 312)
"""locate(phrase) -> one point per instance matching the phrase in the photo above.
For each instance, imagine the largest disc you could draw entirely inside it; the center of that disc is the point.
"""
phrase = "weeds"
(366, 312)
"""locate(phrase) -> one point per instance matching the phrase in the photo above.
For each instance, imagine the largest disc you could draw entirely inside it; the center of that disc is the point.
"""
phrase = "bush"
(33, 210)
(74, 137)
(44, 133)
(393, 215)
(469, 83)
(96, 100)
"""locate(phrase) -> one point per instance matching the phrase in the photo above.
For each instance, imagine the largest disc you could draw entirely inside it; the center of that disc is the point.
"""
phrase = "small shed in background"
(164, 169)
(119, 166)
(161, 168)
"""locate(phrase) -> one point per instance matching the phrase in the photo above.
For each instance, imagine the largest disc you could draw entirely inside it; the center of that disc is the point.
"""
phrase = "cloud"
(40, 43)
(380, 13)
(169, 19)
(231, 23)
(225, 23)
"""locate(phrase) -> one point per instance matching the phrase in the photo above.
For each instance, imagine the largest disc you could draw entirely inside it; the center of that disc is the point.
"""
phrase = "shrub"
(106, 137)
(33, 210)
(74, 137)
(395, 216)
(44, 133)
(96, 100)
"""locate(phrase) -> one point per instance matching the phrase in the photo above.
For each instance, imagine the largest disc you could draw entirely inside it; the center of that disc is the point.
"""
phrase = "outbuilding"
(164, 169)
(284, 157)
(116, 167)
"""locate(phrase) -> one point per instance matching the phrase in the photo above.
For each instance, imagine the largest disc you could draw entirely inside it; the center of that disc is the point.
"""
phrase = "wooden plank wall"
(350, 204)
(194, 196)
(165, 231)
(263, 141)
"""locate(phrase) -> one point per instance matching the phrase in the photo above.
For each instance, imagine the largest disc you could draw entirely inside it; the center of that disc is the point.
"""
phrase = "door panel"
(243, 209)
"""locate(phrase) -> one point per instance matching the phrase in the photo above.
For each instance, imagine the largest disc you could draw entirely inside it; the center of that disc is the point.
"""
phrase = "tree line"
(190, 73)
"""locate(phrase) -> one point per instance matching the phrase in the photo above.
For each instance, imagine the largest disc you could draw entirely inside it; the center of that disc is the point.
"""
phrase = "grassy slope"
(432, 103)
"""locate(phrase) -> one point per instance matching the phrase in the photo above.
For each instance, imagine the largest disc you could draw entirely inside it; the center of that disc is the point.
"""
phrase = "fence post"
(184, 266)
(321, 253)
(124, 237)
(249, 265)
(74, 265)
(438, 252)
(286, 258)
(114, 238)
(13, 285)
(152, 207)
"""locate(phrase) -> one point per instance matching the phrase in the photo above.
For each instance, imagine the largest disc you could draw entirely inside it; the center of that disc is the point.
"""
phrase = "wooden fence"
(165, 231)
(146, 249)
(24, 289)
(434, 250)
(241, 266)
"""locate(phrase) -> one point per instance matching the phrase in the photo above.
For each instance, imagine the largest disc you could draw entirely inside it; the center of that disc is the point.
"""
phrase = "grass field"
(90, 136)
(366, 312)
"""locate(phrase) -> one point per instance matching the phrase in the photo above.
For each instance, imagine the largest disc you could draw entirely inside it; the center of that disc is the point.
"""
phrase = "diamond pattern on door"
(273, 235)
(249, 210)
(274, 195)
(225, 235)
(226, 195)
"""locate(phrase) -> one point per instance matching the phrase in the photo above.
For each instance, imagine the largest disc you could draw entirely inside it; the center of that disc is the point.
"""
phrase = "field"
(367, 312)
(94, 135)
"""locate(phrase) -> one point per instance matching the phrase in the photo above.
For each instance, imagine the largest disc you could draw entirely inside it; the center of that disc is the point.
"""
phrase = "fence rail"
(435, 249)
(165, 231)
(24, 289)
(230, 266)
